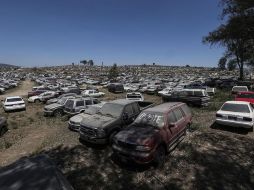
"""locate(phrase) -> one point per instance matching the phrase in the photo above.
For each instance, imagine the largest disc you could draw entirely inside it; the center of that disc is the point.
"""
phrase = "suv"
(56, 109)
(155, 131)
(111, 118)
(78, 105)
(37, 91)
(116, 88)
(195, 97)
(3, 126)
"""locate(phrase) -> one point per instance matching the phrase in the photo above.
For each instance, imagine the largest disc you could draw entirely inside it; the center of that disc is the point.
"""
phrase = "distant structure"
(87, 63)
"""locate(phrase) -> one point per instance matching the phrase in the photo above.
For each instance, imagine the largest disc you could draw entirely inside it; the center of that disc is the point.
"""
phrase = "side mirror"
(171, 125)
(125, 116)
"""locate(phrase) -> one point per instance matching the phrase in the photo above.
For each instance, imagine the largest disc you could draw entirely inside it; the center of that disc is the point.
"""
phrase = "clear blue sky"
(57, 32)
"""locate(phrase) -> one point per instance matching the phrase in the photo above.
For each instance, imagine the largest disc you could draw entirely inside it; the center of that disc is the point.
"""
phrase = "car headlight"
(143, 148)
(100, 133)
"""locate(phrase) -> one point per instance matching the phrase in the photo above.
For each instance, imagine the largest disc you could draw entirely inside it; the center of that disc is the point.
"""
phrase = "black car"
(116, 88)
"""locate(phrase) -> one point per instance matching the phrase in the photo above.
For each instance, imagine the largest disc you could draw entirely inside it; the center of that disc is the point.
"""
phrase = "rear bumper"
(74, 127)
(16, 107)
(231, 123)
(134, 156)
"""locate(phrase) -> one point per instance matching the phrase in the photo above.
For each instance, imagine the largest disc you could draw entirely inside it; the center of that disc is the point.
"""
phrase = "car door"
(79, 105)
(180, 123)
(171, 128)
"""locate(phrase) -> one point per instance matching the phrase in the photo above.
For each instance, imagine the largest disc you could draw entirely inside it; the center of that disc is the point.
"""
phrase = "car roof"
(237, 102)
(165, 107)
(10, 97)
(121, 101)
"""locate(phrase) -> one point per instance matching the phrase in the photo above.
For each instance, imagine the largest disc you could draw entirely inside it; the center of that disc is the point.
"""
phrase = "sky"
(59, 32)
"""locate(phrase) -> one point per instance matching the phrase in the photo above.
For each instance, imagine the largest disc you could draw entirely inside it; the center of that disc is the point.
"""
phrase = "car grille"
(232, 118)
(87, 131)
(126, 145)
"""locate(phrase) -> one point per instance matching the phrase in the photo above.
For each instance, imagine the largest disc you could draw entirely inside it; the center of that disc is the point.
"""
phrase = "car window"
(235, 108)
(171, 117)
(198, 93)
(178, 114)
(128, 109)
(79, 103)
(95, 101)
(186, 109)
(89, 102)
(135, 108)
(14, 100)
(69, 103)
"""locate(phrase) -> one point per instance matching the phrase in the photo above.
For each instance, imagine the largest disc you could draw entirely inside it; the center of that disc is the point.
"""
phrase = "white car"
(14, 103)
(236, 114)
(165, 91)
(43, 97)
(135, 96)
(92, 93)
(237, 89)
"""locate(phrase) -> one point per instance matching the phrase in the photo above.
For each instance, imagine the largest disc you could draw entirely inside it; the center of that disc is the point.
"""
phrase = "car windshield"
(62, 101)
(150, 119)
(239, 89)
(112, 109)
(133, 96)
(14, 100)
(235, 108)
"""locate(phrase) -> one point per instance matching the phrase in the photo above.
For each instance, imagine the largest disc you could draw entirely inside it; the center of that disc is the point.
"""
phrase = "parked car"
(165, 91)
(245, 96)
(43, 97)
(92, 93)
(236, 114)
(100, 128)
(78, 105)
(115, 88)
(194, 97)
(54, 100)
(135, 96)
(74, 122)
(237, 89)
(3, 126)
(56, 109)
(14, 103)
(155, 131)
(37, 91)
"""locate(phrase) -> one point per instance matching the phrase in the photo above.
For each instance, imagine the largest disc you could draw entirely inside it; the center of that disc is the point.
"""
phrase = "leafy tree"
(90, 62)
(84, 62)
(222, 63)
(237, 33)
(113, 72)
(232, 64)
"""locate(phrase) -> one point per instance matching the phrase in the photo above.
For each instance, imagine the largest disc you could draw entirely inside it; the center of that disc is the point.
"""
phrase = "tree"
(90, 62)
(237, 33)
(232, 64)
(222, 63)
(84, 62)
(113, 72)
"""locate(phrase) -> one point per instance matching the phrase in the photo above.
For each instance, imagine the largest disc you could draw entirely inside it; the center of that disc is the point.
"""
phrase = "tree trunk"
(241, 71)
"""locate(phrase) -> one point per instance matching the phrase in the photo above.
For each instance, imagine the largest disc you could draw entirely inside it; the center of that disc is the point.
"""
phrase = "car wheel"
(58, 113)
(111, 137)
(37, 101)
(159, 158)
(2, 131)
(187, 129)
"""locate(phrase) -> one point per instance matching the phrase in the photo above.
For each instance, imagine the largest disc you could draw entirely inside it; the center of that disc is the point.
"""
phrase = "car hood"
(98, 121)
(136, 135)
(78, 118)
(53, 106)
(34, 97)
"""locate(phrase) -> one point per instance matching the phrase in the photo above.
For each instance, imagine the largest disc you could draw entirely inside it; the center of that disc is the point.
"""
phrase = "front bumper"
(48, 113)
(134, 156)
(15, 107)
(241, 124)
(94, 140)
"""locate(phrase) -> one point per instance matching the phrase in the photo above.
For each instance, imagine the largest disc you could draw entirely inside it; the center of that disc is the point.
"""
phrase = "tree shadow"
(237, 130)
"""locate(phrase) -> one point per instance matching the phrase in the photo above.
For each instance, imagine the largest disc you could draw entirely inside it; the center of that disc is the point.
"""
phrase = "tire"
(58, 113)
(187, 128)
(3, 130)
(111, 137)
(159, 158)
(36, 101)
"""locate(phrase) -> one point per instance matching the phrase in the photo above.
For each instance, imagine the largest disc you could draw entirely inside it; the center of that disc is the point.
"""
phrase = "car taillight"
(218, 115)
(247, 119)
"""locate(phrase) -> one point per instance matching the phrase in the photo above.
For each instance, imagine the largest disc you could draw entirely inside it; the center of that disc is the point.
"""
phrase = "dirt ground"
(209, 157)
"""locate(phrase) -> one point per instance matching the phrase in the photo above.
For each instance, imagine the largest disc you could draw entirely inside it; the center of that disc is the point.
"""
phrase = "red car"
(247, 96)
(155, 131)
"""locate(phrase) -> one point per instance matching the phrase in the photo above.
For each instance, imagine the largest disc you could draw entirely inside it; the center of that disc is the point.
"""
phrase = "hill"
(3, 65)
